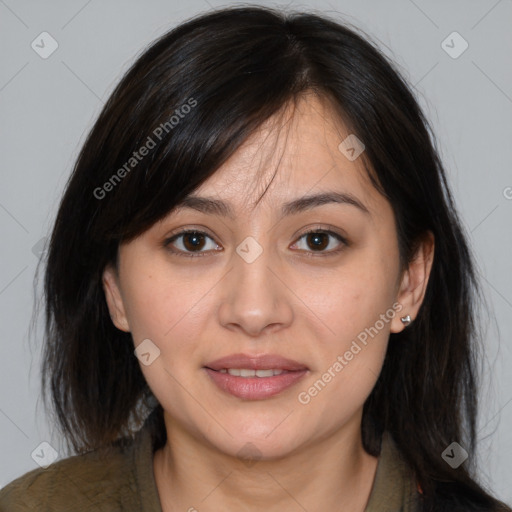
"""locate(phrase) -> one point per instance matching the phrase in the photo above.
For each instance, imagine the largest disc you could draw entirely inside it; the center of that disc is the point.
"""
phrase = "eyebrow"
(213, 206)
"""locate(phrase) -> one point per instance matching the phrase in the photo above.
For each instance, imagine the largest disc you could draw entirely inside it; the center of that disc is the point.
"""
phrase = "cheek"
(357, 309)
(159, 305)
(352, 358)
(351, 298)
(169, 311)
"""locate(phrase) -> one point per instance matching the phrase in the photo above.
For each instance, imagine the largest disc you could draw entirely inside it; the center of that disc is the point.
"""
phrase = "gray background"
(48, 105)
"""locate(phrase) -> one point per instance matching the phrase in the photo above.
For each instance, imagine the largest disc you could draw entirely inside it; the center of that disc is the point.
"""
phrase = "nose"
(255, 299)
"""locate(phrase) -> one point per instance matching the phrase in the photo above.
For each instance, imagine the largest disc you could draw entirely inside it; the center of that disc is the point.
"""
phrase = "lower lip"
(255, 388)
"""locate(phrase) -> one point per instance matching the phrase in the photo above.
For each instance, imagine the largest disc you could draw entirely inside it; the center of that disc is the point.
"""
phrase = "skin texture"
(310, 309)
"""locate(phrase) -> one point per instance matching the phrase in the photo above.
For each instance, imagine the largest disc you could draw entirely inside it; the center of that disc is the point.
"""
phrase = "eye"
(318, 240)
(190, 241)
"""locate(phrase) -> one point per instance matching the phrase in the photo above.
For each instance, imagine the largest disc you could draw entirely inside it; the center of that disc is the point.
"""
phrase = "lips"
(261, 362)
(242, 384)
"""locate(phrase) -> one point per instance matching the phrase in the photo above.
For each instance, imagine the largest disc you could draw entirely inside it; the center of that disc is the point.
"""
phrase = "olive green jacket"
(122, 479)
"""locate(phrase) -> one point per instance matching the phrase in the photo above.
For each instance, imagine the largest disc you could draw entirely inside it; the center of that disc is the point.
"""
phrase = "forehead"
(295, 153)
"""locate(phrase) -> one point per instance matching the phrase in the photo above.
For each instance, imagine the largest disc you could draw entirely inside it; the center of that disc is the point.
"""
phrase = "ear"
(414, 282)
(114, 299)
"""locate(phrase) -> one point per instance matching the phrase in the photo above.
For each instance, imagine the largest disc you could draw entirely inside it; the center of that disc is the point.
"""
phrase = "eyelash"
(168, 241)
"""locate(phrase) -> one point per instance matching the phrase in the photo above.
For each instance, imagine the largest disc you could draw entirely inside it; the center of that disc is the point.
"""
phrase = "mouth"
(248, 372)
(255, 377)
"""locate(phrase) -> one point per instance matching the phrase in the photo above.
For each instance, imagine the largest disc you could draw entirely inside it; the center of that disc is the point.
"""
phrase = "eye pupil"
(196, 238)
(319, 240)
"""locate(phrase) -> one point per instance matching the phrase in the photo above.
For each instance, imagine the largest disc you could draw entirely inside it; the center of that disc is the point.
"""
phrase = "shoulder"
(98, 480)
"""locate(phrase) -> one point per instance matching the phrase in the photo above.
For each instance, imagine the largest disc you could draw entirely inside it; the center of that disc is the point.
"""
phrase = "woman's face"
(254, 283)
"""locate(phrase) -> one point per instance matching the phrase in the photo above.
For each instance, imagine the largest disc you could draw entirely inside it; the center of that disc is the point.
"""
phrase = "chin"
(254, 450)
(259, 441)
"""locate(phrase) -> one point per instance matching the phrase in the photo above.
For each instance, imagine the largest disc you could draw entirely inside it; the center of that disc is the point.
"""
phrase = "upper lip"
(260, 362)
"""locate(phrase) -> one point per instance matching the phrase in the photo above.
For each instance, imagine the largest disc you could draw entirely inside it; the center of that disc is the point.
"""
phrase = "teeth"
(243, 372)
(267, 373)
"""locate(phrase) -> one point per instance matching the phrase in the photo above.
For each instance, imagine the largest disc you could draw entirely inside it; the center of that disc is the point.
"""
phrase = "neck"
(334, 473)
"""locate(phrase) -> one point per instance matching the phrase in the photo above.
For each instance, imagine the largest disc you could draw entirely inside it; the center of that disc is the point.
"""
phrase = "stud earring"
(406, 320)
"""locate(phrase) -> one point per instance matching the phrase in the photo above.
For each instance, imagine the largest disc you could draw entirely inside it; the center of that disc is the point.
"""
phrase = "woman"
(258, 259)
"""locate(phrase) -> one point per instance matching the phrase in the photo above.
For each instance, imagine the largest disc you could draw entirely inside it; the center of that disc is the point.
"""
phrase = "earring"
(406, 320)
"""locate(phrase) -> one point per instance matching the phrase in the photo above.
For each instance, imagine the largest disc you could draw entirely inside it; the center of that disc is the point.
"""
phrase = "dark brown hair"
(235, 68)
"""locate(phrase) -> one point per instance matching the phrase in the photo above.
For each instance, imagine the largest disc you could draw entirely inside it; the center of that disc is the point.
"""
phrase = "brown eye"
(188, 242)
(317, 240)
(193, 241)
